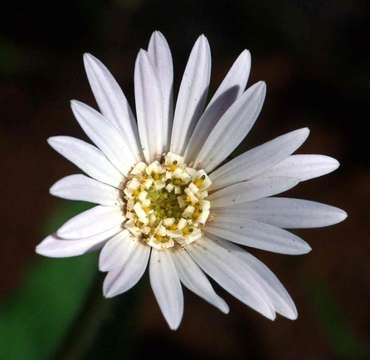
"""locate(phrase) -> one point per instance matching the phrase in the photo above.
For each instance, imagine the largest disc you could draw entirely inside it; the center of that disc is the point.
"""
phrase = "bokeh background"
(312, 54)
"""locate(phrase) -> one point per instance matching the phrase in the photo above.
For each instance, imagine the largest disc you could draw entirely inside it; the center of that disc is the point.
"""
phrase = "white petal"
(232, 128)
(281, 301)
(195, 280)
(124, 278)
(166, 287)
(251, 190)
(81, 187)
(160, 55)
(257, 235)
(304, 167)
(286, 213)
(148, 98)
(104, 135)
(91, 222)
(231, 273)
(117, 251)
(230, 89)
(112, 102)
(192, 94)
(56, 247)
(258, 160)
(88, 158)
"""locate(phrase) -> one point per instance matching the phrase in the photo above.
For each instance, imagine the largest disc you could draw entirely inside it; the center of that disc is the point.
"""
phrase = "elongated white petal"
(236, 78)
(166, 286)
(104, 136)
(304, 167)
(251, 190)
(117, 251)
(229, 90)
(258, 160)
(195, 280)
(91, 222)
(192, 94)
(232, 128)
(286, 213)
(112, 102)
(124, 278)
(279, 297)
(81, 187)
(56, 247)
(228, 271)
(88, 158)
(149, 112)
(160, 55)
(258, 235)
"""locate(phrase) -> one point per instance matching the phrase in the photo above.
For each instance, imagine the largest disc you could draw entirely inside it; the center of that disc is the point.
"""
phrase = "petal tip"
(108, 295)
(156, 34)
(271, 315)
(89, 60)
(73, 103)
(334, 164)
(202, 41)
(141, 56)
(76, 104)
(54, 141)
(46, 246)
(259, 88)
(39, 249)
(51, 140)
(305, 131)
(342, 215)
(245, 53)
(224, 308)
(52, 190)
(107, 290)
(306, 248)
(293, 315)
(174, 325)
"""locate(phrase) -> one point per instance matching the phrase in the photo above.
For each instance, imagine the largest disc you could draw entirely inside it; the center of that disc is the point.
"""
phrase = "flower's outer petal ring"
(229, 90)
(257, 160)
(166, 286)
(91, 222)
(88, 158)
(192, 94)
(258, 235)
(112, 102)
(285, 213)
(195, 280)
(232, 128)
(82, 188)
(251, 190)
(56, 247)
(122, 279)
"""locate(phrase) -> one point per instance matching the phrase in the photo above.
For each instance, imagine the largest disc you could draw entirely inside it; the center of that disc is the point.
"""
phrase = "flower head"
(165, 195)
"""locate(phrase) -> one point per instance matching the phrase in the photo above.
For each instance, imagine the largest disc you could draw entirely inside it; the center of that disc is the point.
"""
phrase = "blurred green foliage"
(36, 317)
(334, 326)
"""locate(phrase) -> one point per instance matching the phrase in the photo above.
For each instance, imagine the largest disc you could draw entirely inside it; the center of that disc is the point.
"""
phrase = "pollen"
(166, 202)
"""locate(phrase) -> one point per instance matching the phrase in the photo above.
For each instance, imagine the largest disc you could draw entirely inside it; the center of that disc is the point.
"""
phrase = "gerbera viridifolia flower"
(164, 196)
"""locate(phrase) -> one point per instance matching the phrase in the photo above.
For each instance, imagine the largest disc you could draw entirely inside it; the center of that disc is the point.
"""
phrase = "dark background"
(312, 55)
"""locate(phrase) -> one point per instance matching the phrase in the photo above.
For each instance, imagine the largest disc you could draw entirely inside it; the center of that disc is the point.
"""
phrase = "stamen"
(165, 202)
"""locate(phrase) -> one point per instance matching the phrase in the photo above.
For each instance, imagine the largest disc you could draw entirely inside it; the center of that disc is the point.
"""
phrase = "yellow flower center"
(166, 202)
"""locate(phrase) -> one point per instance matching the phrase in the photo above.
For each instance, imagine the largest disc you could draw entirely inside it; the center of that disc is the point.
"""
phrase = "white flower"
(164, 196)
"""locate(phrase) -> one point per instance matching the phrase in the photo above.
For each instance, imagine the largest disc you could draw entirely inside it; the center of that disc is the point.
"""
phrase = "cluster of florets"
(166, 202)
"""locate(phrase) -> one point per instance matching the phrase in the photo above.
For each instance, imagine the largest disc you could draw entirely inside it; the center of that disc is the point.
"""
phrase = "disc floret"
(166, 202)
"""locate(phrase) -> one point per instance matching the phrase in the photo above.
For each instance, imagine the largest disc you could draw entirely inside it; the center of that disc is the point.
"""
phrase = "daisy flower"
(166, 198)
